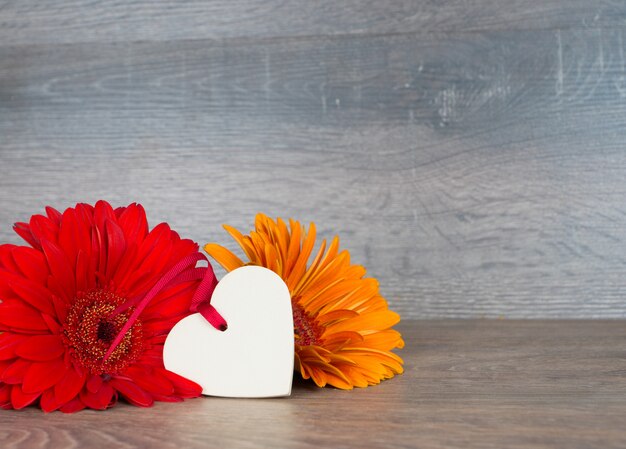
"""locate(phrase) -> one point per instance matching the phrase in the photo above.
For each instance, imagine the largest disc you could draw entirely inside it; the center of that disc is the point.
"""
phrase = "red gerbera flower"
(68, 296)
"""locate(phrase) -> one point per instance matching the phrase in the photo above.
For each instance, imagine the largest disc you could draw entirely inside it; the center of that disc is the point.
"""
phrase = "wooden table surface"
(468, 383)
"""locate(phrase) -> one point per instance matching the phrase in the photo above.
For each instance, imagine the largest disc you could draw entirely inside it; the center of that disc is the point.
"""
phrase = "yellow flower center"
(90, 329)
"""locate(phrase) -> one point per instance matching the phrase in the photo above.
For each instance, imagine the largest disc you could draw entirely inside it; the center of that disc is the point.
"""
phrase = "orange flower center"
(90, 329)
(307, 332)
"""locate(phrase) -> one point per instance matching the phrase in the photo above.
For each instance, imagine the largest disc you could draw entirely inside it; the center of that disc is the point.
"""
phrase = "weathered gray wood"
(468, 383)
(475, 175)
(56, 21)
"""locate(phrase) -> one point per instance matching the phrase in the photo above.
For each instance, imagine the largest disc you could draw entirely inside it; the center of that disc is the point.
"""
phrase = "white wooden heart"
(254, 357)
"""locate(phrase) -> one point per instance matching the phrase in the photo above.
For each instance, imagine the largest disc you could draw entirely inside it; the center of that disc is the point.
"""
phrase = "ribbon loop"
(184, 271)
(205, 308)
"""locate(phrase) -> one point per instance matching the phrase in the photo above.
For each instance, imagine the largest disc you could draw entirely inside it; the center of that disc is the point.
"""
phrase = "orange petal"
(294, 246)
(223, 256)
(384, 340)
(368, 322)
(299, 267)
(240, 239)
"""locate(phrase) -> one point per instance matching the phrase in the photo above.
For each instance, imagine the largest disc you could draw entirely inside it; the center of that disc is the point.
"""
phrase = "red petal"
(8, 343)
(158, 397)
(43, 228)
(159, 234)
(6, 292)
(84, 212)
(159, 257)
(173, 311)
(4, 364)
(134, 224)
(19, 399)
(102, 211)
(34, 294)
(131, 392)
(7, 262)
(107, 395)
(5, 395)
(184, 387)
(94, 383)
(82, 238)
(41, 348)
(156, 339)
(73, 406)
(69, 387)
(41, 376)
(61, 307)
(31, 263)
(177, 293)
(152, 256)
(16, 315)
(82, 269)
(48, 401)
(98, 400)
(116, 245)
(182, 248)
(69, 235)
(52, 323)
(127, 268)
(139, 281)
(61, 269)
(159, 327)
(53, 214)
(98, 254)
(152, 356)
(23, 230)
(151, 380)
(16, 371)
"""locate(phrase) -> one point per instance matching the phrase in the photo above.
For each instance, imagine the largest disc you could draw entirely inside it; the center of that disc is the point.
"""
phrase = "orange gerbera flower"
(342, 325)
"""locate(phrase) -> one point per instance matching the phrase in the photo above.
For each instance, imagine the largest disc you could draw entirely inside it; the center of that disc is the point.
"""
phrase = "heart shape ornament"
(254, 357)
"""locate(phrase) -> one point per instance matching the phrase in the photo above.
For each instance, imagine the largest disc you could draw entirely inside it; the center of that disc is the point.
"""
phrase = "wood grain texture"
(476, 171)
(56, 21)
(468, 383)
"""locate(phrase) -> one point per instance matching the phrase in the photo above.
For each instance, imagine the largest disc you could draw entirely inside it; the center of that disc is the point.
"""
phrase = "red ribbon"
(184, 271)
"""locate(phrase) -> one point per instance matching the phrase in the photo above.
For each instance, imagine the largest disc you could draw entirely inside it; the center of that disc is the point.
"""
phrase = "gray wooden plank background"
(471, 154)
